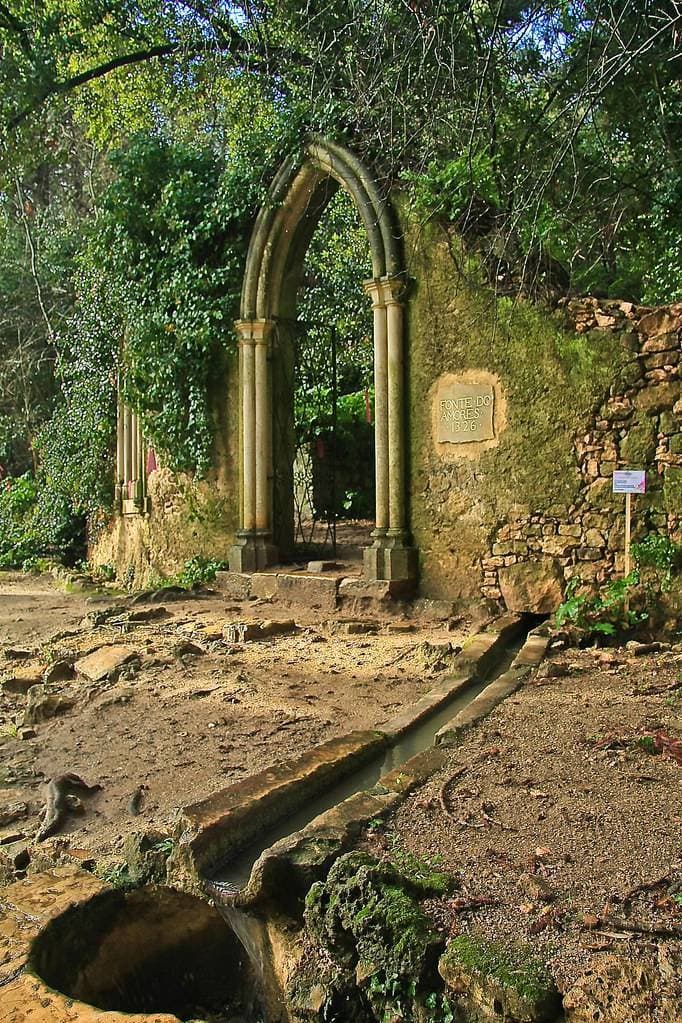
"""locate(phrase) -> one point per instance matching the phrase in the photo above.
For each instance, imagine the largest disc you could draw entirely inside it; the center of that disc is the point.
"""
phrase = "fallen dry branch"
(442, 794)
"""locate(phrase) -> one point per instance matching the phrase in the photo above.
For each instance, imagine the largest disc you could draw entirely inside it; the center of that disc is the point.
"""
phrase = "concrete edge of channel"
(285, 871)
(211, 830)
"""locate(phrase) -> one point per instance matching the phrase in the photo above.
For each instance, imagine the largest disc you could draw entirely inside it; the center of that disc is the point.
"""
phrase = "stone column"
(248, 395)
(398, 558)
(120, 450)
(373, 557)
(127, 451)
(253, 549)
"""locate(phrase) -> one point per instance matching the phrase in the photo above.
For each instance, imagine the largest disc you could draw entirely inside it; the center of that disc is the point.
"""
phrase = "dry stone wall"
(638, 425)
(511, 512)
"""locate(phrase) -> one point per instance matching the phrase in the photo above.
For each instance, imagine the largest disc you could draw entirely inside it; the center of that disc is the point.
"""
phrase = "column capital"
(393, 290)
(374, 289)
(254, 332)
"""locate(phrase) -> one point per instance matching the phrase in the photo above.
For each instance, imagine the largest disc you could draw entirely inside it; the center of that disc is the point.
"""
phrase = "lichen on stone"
(494, 977)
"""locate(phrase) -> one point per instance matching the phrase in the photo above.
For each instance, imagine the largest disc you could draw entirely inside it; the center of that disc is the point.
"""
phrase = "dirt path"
(194, 712)
(564, 824)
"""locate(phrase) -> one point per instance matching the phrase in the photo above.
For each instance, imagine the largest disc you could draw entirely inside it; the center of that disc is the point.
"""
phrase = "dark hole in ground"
(150, 950)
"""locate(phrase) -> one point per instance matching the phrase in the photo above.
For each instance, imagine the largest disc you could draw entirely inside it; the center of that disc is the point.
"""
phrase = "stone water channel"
(158, 954)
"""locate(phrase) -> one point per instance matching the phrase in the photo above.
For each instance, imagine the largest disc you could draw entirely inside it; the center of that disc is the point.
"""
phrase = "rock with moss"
(496, 982)
(146, 853)
(368, 920)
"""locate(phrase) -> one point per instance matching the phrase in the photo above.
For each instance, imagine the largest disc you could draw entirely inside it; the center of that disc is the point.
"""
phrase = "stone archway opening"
(298, 197)
(333, 397)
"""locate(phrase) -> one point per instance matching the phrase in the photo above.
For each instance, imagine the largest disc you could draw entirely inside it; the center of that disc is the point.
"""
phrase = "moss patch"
(497, 981)
(367, 918)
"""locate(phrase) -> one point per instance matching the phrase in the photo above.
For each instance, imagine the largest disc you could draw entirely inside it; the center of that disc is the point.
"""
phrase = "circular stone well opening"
(150, 950)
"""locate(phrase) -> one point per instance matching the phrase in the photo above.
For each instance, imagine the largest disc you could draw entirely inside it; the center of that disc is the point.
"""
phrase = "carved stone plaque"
(465, 412)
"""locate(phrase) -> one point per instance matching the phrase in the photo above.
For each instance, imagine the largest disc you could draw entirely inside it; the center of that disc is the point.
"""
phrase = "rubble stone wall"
(580, 390)
(638, 425)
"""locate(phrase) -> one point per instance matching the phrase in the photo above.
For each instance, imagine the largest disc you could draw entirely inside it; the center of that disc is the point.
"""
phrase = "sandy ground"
(562, 823)
(182, 723)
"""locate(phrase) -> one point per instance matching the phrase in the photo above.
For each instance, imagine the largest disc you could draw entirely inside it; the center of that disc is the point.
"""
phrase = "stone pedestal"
(252, 552)
(391, 558)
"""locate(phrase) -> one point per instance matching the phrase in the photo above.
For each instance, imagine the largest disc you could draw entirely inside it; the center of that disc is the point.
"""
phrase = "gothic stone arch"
(284, 227)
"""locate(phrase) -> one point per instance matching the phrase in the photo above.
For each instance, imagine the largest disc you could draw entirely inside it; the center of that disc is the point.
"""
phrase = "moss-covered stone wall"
(586, 389)
(186, 517)
(579, 391)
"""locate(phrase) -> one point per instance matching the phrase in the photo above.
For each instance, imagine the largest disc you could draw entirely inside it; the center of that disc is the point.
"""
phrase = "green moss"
(513, 969)
(638, 447)
(367, 917)
(552, 379)
(672, 489)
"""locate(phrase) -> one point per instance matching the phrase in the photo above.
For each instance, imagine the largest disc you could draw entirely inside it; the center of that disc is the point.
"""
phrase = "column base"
(252, 553)
(391, 558)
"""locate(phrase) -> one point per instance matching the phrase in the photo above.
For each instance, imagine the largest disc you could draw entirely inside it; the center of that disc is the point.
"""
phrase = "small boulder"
(533, 586)
(43, 704)
(105, 662)
(499, 983)
(146, 853)
(59, 671)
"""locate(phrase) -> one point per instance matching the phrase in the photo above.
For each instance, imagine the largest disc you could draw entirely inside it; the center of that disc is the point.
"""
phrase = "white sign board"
(629, 481)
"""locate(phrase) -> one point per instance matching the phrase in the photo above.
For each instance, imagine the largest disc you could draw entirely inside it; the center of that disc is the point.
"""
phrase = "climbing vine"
(170, 243)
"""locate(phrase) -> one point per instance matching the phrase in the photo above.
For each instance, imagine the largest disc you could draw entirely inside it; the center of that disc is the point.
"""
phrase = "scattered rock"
(19, 685)
(11, 837)
(536, 887)
(12, 812)
(150, 614)
(352, 626)
(240, 632)
(59, 671)
(27, 733)
(553, 669)
(186, 648)
(105, 662)
(14, 654)
(323, 566)
(43, 704)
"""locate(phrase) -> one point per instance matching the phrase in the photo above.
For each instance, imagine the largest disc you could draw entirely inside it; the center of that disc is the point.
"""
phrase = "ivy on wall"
(170, 244)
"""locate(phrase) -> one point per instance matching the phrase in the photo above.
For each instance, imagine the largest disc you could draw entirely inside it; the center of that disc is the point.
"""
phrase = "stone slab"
(235, 585)
(263, 586)
(464, 411)
(214, 828)
(98, 665)
(309, 591)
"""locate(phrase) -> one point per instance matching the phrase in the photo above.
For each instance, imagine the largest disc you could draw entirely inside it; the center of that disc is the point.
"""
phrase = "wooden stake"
(628, 514)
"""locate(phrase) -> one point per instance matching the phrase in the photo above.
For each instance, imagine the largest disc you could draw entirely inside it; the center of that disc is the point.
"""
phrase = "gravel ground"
(562, 827)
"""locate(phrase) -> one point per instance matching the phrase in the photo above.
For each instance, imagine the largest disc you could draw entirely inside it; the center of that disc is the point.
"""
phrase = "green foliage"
(463, 191)
(602, 614)
(659, 552)
(33, 524)
(117, 874)
(198, 570)
(169, 247)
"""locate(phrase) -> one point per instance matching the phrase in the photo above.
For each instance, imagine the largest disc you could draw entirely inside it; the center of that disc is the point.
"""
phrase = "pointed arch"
(298, 196)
